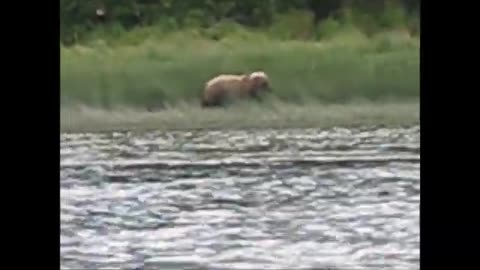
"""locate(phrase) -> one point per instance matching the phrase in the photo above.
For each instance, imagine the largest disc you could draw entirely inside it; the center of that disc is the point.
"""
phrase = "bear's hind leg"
(211, 103)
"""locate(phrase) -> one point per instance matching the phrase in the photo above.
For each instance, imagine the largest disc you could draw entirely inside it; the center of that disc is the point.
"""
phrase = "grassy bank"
(172, 69)
(274, 115)
(345, 78)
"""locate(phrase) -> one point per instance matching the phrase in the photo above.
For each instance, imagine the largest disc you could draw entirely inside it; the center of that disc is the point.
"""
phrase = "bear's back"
(225, 78)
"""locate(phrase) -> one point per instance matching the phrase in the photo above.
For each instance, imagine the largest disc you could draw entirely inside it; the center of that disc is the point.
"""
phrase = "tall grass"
(242, 115)
(173, 68)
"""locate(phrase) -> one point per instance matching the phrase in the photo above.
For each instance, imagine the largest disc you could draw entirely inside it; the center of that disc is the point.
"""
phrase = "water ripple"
(345, 198)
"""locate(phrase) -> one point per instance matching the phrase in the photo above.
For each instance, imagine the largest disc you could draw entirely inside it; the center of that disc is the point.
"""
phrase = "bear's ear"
(258, 74)
(252, 76)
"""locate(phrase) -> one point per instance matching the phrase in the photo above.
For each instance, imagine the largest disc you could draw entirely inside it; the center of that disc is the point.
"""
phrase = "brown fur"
(227, 86)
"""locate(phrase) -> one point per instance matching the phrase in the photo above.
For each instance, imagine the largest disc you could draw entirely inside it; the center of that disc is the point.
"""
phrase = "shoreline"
(188, 117)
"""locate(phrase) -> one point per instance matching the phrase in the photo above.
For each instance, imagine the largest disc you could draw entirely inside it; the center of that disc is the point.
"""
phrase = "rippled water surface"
(341, 198)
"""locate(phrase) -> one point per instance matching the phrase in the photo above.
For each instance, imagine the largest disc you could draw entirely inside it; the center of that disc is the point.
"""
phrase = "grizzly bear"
(227, 87)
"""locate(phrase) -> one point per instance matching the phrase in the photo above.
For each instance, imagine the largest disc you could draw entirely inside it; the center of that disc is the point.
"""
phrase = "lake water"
(298, 198)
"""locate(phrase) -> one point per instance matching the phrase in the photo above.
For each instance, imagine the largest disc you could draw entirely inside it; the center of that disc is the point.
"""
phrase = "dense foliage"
(80, 17)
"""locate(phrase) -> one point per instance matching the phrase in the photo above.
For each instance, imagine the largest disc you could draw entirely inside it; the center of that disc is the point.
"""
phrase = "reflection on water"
(241, 199)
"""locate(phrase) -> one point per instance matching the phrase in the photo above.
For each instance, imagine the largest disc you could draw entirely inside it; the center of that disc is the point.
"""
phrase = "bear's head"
(260, 82)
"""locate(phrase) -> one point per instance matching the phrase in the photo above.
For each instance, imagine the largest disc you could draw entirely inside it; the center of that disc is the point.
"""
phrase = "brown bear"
(227, 86)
